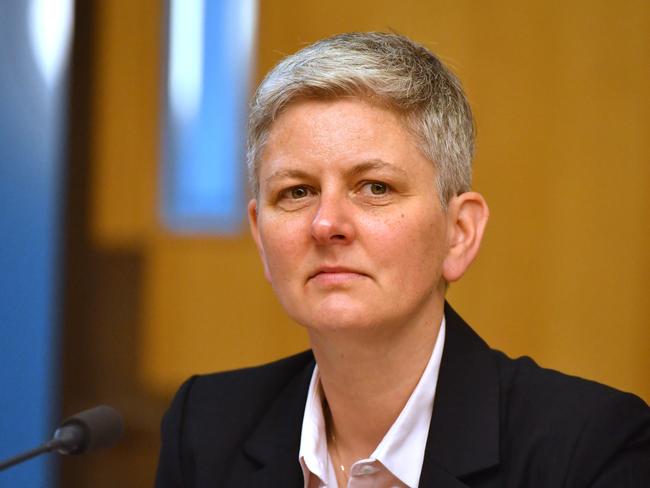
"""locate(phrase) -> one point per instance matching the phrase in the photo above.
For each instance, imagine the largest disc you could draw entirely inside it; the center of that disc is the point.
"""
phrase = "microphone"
(95, 428)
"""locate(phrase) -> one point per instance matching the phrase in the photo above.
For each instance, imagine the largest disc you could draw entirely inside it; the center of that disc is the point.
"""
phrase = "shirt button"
(366, 469)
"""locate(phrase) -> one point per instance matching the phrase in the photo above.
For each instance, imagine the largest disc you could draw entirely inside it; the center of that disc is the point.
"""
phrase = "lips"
(333, 275)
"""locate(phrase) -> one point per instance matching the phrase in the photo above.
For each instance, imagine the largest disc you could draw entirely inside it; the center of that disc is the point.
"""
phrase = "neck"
(367, 377)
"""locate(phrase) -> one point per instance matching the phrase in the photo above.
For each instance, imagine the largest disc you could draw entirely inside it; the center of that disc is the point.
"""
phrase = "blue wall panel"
(32, 121)
(208, 78)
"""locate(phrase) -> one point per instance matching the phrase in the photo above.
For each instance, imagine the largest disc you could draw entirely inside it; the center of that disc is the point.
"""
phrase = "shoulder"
(220, 390)
(240, 395)
(571, 421)
(212, 415)
(527, 386)
(548, 428)
(537, 403)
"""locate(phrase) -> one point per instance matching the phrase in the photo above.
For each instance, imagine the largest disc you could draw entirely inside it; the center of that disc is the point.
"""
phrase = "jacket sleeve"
(613, 450)
(170, 472)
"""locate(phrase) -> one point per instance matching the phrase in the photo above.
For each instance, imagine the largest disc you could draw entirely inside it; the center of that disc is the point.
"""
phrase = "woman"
(360, 150)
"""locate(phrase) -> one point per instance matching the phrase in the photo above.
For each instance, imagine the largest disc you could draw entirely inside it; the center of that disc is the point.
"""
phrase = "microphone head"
(95, 428)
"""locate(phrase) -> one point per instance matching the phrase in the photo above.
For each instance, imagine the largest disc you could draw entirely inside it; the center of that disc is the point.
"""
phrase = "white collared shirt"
(397, 460)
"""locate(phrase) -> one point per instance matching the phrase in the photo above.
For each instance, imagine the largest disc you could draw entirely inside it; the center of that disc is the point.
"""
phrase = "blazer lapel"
(275, 443)
(464, 430)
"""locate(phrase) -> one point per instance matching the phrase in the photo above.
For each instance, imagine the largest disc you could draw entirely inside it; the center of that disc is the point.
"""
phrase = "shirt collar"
(313, 454)
(401, 450)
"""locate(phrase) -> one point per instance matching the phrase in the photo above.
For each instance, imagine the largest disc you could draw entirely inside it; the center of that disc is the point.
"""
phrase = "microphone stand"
(49, 446)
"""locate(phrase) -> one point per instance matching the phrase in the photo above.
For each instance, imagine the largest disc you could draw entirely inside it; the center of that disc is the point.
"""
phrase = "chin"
(338, 318)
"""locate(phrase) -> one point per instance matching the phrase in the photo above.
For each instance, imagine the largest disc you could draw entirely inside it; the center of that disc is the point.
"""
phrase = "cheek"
(283, 243)
(412, 245)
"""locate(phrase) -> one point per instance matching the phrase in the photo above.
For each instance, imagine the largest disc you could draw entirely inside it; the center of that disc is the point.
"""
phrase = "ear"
(467, 216)
(255, 232)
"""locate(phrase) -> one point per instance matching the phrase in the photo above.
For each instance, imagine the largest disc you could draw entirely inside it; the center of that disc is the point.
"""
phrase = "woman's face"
(348, 221)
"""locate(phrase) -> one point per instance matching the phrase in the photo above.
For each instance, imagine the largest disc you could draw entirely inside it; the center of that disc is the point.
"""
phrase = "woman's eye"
(297, 192)
(377, 188)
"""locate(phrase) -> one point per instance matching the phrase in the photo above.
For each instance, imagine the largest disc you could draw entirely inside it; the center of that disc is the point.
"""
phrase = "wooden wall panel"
(126, 136)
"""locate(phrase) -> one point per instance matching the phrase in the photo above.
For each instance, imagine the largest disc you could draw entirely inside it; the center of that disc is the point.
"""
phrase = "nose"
(333, 222)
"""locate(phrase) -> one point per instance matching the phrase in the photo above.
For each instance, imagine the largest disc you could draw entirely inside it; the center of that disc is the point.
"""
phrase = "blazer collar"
(464, 430)
(463, 434)
(275, 443)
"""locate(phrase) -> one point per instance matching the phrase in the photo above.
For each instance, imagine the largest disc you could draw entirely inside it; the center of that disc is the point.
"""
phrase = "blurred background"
(125, 260)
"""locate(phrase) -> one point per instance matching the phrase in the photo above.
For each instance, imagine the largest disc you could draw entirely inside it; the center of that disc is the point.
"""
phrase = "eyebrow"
(286, 173)
(376, 164)
(372, 164)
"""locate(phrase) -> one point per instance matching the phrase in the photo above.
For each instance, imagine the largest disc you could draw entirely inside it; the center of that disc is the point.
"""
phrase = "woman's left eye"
(377, 188)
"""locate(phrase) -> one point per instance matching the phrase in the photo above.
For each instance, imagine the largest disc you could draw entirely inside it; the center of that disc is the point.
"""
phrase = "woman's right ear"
(255, 232)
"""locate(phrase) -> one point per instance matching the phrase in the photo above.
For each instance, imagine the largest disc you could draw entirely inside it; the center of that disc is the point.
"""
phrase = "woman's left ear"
(467, 216)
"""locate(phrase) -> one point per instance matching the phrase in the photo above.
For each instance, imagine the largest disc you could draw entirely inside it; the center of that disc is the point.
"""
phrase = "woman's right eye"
(296, 192)
(295, 197)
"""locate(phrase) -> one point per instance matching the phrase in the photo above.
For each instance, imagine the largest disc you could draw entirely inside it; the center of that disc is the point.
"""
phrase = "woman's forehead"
(324, 129)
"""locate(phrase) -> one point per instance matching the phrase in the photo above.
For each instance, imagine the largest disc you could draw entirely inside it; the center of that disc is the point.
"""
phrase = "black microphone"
(95, 428)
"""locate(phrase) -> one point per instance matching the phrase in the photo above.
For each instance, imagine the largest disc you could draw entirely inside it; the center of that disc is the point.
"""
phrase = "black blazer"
(496, 422)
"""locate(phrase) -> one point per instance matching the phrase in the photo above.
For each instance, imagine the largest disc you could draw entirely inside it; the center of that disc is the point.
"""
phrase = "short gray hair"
(383, 68)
